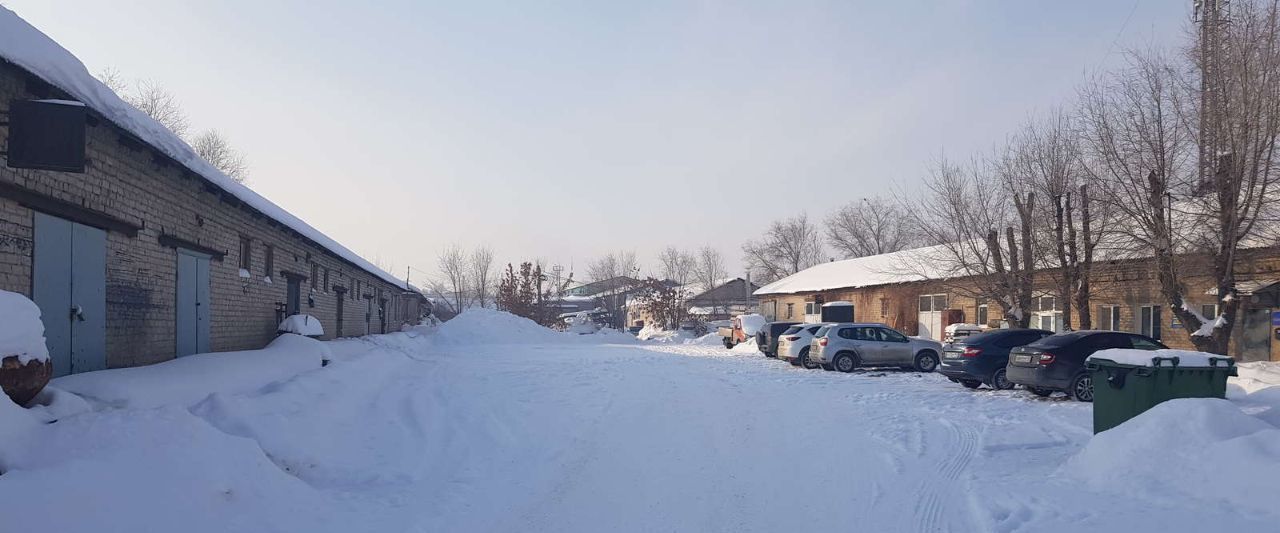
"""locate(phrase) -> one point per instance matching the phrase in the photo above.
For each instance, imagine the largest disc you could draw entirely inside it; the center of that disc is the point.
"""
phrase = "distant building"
(733, 297)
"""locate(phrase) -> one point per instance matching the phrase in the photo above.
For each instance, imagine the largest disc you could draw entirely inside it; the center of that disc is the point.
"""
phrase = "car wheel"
(1082, 388)
(1043, 393)
(804, 361)
(845, 362)
(728, 343)
(970, 383)
(926, 361)
(999, 381)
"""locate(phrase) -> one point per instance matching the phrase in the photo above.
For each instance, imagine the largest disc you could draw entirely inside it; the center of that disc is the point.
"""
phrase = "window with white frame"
(791, 310)
(810, 308)
(1045, 313)
(981, 315)
(1209, 311)
(1149, 321)
(1109, 317)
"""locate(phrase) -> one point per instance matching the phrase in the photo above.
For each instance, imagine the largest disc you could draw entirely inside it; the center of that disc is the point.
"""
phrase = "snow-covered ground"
(464, 428)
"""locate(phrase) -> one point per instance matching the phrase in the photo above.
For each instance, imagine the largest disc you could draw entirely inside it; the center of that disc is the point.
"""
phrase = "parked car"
(767, 337)
(635, 330)
(1056, 362)
(793, 344)
(982, 358)
(845, 347)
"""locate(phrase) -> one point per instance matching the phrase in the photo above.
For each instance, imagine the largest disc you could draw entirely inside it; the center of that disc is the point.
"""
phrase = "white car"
(793, 344)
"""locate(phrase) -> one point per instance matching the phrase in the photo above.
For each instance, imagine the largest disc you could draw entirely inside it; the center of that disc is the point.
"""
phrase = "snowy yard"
(455, 430)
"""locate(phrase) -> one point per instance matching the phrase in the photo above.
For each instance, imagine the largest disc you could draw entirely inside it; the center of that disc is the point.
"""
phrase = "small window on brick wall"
(268, 260)
(884, 307)
(315, 275)
(325, 287)
(246, 253)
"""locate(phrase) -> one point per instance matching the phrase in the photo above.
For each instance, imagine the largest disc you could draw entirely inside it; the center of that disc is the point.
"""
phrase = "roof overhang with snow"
(27, 48)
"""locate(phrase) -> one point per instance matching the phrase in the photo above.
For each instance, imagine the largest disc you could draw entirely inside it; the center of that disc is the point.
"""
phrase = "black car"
(767, 337)
(977, 359)
(1056, 362)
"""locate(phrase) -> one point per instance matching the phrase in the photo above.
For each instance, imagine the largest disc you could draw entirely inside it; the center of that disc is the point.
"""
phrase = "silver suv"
(845, 347)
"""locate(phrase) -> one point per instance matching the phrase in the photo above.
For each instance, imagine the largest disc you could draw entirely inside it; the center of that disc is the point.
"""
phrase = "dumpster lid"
(1185, 358)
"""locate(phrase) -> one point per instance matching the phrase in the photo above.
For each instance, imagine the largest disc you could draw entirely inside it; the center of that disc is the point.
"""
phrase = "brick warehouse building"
(150, 253)
(890, 288)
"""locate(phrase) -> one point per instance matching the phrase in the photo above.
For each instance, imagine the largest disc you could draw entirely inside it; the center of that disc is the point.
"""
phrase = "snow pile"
(752, 323)
(1200, 450)
(306, 325)
(710, 339)
(148, 470)
(1130, 356)
(187, 380)
(1255, 376)
(489, 326)
(21, 332)
(748, 347)
(653, 333)
(25, 46)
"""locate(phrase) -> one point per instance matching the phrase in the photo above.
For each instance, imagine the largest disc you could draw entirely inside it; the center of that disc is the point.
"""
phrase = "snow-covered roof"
(884, 269)
(29, 48)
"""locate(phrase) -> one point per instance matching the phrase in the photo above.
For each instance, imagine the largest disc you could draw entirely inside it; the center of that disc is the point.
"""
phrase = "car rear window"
(814, 329)
(792, 330)
(1061, 339)
(822, 331)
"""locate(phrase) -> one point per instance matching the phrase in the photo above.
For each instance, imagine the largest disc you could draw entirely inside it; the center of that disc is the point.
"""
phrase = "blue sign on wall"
(1275, 318)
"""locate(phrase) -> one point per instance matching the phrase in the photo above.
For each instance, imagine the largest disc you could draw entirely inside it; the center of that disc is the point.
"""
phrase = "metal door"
(368, 315)
(70, 285)
(382, 315)
(342, 298)
(192, 313)
(293, 304)
(1255, 342)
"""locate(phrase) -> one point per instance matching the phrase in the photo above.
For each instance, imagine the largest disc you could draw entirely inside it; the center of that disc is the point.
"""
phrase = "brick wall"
(131, 182)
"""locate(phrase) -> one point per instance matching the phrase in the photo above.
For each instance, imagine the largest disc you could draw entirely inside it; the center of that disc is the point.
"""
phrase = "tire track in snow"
(933, 511)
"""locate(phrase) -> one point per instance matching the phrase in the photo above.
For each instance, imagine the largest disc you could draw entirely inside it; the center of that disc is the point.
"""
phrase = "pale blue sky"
(566, 129)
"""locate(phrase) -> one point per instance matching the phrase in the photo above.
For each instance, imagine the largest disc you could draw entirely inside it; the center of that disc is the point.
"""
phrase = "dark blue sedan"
(982, 358)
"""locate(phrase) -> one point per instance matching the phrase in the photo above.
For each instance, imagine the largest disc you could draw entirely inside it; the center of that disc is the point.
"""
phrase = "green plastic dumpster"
(1123, 391)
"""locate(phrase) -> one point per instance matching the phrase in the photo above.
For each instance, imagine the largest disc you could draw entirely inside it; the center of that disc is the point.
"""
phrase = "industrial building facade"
(140, 258)
(1125, 296)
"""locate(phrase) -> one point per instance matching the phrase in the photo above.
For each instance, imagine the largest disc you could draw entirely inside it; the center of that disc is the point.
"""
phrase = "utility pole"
(1210, 17)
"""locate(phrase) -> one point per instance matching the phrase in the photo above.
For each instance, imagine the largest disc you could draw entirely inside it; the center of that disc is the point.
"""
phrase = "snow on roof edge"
(30, 49)
(884, 269)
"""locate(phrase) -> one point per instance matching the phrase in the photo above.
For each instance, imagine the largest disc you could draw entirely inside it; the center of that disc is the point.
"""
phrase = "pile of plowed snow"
(1204, 451)
(490, 326)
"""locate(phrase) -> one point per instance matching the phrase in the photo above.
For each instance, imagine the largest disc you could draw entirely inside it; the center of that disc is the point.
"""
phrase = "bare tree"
(453, 268)
(710, 270)
(787, 247)
(870, 226)
(677, 265)
(481, 274)
(1238, 64)
(1046, 154)
(1135, 130)
(984, 242)
(613, 265)
(158, 103)
(213, 147)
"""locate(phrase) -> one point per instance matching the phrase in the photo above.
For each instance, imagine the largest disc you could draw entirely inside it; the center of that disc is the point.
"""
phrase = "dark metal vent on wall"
(47, 135)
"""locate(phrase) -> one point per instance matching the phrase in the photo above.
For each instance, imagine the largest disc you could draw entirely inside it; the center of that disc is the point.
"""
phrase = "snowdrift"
(490, 326)
(187, 380)
(146, 470)
(1206, 451)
